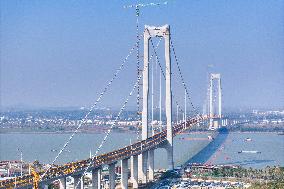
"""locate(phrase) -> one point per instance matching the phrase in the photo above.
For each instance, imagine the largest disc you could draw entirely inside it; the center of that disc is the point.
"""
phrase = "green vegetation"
(273, 178)
(269, 185)
(269, 177)
(249, 127)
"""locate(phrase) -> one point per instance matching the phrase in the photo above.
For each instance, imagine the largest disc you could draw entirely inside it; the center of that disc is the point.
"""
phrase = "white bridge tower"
(215, 110)
(148, 156)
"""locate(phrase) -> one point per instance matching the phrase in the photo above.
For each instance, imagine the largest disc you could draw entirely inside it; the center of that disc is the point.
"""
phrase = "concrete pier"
(62, 183)
(111, 168)
(142, 172)
(169, 149)
(151, 164)
(43, 186)
(78, 181)
(96, 178)
(134, 171)
(124, 174)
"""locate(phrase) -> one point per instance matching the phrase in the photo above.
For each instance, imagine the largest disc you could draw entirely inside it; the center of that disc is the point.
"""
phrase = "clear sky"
(62, 53)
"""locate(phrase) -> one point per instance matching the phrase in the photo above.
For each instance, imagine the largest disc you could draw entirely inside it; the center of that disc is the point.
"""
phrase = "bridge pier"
(78, 181)
(151, 164)
(169, 149)
(134, 171)
(142, 172)
(96, 178)
(111, 169)
(43, 186)
(124, 173)
(62, 183)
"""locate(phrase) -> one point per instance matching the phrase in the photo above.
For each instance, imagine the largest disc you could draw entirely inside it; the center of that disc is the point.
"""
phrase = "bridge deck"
(79, 167)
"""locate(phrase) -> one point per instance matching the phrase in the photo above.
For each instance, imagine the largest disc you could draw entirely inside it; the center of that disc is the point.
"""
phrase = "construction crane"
(36, 177)
(137, 6)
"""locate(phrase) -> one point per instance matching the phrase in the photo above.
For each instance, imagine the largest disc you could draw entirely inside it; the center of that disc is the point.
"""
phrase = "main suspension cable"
(151, 57)
(93, 106)
(182, 79)
(138, 70)
(188, 96)
(163, 73)
(116, 119)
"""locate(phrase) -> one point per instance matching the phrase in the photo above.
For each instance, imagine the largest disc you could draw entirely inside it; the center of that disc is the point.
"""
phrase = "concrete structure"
(150, 32)
(214, 124)
(134, 171)
(44, 186)
(151, 164)
(124, 173)
(111, 168)
(96, 178)
(62, 183)
(78, 181)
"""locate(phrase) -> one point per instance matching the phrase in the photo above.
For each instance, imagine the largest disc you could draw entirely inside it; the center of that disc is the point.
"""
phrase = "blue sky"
(62, 53)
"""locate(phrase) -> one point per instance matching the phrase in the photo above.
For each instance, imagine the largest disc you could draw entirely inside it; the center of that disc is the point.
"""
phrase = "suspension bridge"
(139, 155)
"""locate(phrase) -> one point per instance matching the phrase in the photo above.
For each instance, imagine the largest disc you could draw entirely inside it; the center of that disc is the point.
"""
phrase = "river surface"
(186, 147)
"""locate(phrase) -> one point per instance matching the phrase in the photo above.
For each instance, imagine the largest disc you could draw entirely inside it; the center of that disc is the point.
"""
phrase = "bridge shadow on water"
(204, 155)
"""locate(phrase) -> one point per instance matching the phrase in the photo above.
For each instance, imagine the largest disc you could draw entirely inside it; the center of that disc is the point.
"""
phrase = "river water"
(43, 147)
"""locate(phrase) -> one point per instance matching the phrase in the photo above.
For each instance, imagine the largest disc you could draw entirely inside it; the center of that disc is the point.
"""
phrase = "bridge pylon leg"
(169, 149)
(62, 183)
(124, 174)
(78, 181)
(111, 168)
(151, 164)
(96, 178)
(168, 102)
(134, 171)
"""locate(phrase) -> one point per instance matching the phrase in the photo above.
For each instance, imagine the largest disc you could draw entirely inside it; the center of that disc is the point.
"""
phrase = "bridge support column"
(134, 171)
(78, 181)
(169, 149)
(169, 99)
(142, 172)
(151, 164)
(124, 174)
(44, 186)
(111, 168)
(96, 178)
(62, 183)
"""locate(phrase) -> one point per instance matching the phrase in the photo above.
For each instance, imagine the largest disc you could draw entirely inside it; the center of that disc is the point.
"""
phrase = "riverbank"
(103, 130)
(44, 131)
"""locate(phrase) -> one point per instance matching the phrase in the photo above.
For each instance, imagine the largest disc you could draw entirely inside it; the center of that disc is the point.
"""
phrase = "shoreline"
(61, 132)
(116, 131)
